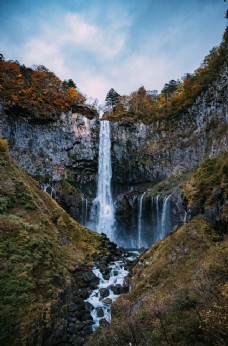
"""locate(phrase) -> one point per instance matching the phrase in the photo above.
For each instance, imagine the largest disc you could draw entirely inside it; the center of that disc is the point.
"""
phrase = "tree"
(69, 84)
(170, 87)
(111, 99)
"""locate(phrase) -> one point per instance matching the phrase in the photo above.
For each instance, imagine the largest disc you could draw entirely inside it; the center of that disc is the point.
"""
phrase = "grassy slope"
(179, 294)
(39, 246)
(211, 175)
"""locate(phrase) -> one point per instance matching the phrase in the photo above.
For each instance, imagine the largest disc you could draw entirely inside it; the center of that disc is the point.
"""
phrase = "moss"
(35, 264)
(170, 185)
(211, 175)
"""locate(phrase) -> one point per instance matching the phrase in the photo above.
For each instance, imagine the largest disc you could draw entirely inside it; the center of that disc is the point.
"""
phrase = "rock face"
(143, 153)
(140, 153)
(55, 150)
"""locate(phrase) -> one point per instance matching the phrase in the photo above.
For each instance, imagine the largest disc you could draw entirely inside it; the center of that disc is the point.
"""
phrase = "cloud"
(111, 45)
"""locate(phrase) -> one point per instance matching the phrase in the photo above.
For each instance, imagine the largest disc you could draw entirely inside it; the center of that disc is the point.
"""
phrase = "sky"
(104, 44)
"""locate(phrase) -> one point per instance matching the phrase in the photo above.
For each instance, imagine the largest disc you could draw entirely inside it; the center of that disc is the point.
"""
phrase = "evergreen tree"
(111, 99)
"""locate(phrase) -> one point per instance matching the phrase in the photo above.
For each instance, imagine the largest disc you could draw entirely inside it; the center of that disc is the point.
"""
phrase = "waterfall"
(185, 217)
(50, 189)
(158, 218)
(140, 204)
(164, 217)
(102, 213)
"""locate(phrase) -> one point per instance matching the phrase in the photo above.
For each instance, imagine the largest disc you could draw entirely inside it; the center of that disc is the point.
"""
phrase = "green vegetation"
(179, 293)
(200, 189)
(37, 92)
(40, 245)
(168, 186)
(175, 97)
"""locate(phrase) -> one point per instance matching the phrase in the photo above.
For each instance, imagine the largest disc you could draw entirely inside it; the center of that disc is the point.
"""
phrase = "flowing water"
(101, 304)
(165, 217)
(140, 219)
(102, 213)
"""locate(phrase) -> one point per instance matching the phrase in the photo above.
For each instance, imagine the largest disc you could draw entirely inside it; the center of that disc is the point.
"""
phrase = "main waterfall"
(102, 213)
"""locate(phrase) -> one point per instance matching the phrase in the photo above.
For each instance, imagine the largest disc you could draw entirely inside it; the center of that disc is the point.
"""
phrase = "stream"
(109, 288)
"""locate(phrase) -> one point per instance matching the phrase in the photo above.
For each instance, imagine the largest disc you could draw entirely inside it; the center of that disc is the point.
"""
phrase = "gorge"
(157, 187)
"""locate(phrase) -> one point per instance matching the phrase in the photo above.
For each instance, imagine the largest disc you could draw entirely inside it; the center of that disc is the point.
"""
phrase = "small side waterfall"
(161, 217)
(165, 217)
(158, 218)
(140, 205)
(50, 189)
(102, 213)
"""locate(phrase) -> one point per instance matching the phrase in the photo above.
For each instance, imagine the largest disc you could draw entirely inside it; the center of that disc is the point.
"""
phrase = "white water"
(164, 216)
(50, 189)
(117, 277)
(185, 217)
(158, 218)
(140, 204)
(102, 213)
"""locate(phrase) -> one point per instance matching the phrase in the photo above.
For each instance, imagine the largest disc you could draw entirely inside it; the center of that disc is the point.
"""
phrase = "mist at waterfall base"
(150, 219)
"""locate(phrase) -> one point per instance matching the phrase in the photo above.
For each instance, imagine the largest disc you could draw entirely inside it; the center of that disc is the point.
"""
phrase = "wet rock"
(103, 322)
(100, 312)
(84, 293)
(118, 289)
(104, 292)
(107, 301)
(89, 307)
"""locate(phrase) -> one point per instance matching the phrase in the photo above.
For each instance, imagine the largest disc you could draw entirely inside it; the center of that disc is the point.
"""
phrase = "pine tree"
(111, 99)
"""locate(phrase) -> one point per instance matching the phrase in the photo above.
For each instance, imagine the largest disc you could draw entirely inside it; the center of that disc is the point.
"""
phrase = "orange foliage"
(37, 90)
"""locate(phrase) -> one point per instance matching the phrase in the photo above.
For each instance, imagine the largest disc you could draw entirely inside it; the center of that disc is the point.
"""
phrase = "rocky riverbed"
(87, 303)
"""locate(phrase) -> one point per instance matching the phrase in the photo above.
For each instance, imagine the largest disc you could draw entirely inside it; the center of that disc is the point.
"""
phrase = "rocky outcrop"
(66, 148)
(143, 153)
(140, 153)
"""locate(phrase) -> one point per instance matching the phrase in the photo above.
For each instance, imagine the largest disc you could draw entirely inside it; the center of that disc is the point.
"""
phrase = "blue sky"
(120, 44)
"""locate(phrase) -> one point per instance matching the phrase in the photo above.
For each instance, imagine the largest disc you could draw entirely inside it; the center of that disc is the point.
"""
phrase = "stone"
(104, 292)
(100, 312)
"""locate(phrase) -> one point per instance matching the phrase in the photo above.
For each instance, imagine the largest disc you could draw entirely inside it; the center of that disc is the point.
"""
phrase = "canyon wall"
(144, 153)
(67, 150)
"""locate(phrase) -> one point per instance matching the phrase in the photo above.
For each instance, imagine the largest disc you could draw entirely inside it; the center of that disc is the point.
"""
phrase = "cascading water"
(102, 213)
(50, 189)
(140, 205)
(114, 285)
(165, 217)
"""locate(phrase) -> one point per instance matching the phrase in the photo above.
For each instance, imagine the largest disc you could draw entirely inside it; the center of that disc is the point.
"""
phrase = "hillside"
(41, 247)
(176, 96)
(38, 94)
(179, 286)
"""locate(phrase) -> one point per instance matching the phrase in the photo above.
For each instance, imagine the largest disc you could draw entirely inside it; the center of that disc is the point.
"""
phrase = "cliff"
(147, 153)
(54, 150)
(67, 148)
